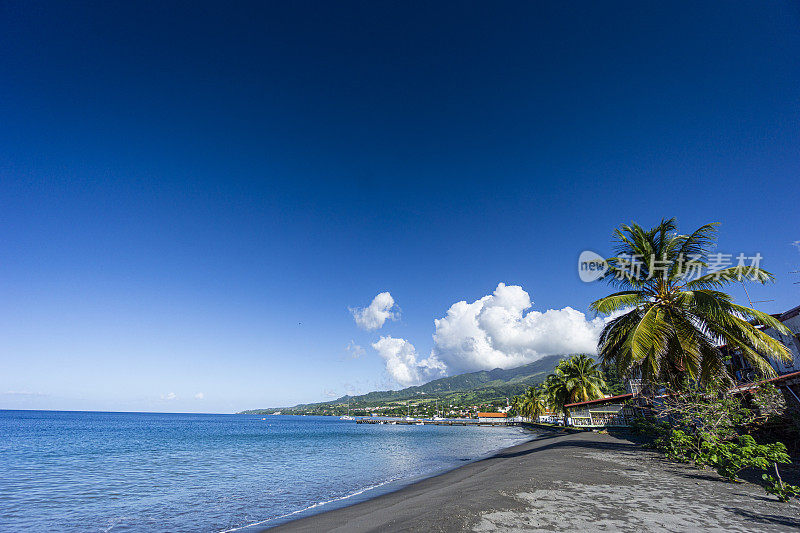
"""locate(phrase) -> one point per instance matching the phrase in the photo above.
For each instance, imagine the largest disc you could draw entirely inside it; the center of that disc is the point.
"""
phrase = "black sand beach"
(566, 482)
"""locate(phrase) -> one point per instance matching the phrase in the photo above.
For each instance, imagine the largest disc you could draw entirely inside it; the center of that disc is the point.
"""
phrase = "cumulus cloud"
(500, 331)
(354, 351)
(199, 396)
(377, 313)
(796, 244)
(402, 362)
(169, 396)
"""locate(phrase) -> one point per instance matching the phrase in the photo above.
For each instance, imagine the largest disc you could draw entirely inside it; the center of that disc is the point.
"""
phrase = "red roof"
(602, 400)
(746, 386)
(491, 415)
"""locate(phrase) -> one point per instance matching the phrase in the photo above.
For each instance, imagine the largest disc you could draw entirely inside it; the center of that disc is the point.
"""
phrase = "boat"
(347, 416)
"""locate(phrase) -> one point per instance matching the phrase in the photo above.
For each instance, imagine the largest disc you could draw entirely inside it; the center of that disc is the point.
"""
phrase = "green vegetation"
(577, 379)
(531, 404)
(776, 486)
(674, 325)
(459, 395)
(710, 428)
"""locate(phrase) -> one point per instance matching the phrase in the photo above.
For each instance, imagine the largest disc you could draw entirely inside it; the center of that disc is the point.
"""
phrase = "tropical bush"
(711, 429)
(730, 458)
(783, 491)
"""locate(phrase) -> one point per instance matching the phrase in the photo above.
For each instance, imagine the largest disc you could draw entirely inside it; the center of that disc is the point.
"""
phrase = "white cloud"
(354, 351)
(379, 311)
(330, 393)
(496, 332)
(169, 396)
(796, 244)
(402, 365)
(199, 396)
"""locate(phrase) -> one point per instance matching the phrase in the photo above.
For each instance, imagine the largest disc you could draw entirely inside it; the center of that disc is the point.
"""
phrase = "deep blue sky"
(193, 194)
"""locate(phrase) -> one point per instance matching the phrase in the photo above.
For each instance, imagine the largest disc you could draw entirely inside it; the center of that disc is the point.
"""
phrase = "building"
(491, 417)
(788, 384)
(613, 411)
(551, 417)
(618, 411)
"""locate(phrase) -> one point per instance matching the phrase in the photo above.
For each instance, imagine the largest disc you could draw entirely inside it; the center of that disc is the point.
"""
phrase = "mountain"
(462, 389)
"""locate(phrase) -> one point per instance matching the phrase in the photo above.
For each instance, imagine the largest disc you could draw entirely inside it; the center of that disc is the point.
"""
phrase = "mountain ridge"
(483, 385)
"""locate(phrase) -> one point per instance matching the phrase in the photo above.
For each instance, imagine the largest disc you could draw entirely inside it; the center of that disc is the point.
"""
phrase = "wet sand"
(566, 482)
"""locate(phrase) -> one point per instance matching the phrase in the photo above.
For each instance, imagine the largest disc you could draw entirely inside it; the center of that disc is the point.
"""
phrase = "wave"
(313, 506)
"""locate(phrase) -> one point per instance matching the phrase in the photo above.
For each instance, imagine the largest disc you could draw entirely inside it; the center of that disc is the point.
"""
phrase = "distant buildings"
(491, 417)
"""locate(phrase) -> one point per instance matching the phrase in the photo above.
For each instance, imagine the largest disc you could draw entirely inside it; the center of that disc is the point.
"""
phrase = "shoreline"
(562, 481)
(531, 432)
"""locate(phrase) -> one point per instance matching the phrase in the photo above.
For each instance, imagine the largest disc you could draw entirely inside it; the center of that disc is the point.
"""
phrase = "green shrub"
(730, 458)
(783, 491)
(677, 445)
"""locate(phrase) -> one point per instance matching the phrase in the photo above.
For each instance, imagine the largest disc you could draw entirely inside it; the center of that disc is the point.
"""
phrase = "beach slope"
(565, 482)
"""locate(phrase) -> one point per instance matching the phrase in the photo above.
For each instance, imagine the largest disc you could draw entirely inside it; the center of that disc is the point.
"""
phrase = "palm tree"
(586, 380)
(673, 323)
(556, 387)
(577, 379)
(517, 405)
(533, 403)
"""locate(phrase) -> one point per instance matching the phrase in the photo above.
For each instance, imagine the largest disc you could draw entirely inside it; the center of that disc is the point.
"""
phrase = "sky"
(212, 207)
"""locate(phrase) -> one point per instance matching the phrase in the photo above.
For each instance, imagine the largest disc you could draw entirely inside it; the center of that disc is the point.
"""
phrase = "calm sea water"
(79, 471)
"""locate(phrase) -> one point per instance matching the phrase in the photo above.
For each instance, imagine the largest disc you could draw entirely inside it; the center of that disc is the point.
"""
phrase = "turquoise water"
(80, 471)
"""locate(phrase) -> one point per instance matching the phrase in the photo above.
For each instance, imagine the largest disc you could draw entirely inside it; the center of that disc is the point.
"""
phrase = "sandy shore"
(566, 482)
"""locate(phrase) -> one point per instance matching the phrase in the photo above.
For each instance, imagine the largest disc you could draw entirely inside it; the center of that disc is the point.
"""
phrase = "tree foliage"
(577, 379)
(673, 322)
(711, 429)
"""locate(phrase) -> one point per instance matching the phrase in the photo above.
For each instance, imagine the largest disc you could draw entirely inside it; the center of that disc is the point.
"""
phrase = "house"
(491, 417)
(604, 412)
(550, 417)
(618, 411)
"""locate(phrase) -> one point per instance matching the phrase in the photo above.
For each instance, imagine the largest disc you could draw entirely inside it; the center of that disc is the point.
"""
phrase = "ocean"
(114, 472)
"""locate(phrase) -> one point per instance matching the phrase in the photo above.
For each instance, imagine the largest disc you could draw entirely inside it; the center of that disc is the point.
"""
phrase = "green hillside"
(483, 388)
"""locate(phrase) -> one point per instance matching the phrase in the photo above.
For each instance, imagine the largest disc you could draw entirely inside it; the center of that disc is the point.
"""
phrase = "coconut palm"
(533, 403)
(586, 380)
(516, 405)
(577, 379)
(556, 386)
(674, 321)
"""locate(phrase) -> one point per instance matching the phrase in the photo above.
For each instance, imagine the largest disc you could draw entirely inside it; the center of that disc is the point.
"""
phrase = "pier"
(431, 422)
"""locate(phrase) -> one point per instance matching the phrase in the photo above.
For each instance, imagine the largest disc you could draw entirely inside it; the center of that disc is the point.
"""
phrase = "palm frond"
(616, 301)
